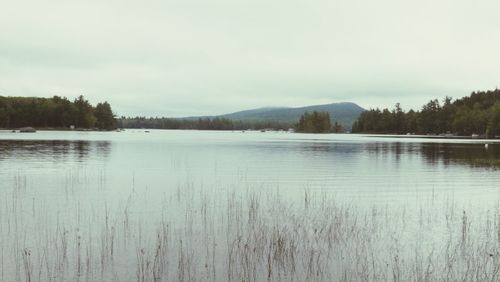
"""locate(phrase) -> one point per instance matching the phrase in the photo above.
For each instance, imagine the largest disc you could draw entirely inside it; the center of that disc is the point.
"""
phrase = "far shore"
(16, 130)
(457, 137)
(480, 139)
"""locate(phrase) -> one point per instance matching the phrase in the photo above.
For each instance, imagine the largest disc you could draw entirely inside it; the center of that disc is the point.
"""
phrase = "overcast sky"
(186, 57)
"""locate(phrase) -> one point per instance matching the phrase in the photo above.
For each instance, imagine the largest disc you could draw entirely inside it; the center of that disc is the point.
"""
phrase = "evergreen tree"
(478, 113)
(55, 112)
(84, 113)
(104, 116)
(315, 122)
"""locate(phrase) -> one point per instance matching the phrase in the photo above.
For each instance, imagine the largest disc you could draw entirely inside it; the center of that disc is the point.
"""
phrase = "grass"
(241, 234)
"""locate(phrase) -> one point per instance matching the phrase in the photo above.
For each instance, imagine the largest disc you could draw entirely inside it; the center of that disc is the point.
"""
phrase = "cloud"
(190, 57)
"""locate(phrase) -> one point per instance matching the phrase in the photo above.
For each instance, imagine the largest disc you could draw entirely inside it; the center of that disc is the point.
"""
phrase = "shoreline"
(398, 136)
(430, 137)
(17, 130)
(469, 139)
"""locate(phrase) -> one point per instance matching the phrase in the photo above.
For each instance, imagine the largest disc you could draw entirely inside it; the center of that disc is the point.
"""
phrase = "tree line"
(317, 122)
(215, 123)
(478, 113)
(55, 112)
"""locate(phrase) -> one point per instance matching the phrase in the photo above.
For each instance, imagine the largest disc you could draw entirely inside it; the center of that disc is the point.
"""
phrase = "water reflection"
(473, 155)
(55, 150)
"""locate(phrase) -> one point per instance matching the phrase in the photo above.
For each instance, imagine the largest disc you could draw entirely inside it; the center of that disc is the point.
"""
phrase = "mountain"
(343, 113)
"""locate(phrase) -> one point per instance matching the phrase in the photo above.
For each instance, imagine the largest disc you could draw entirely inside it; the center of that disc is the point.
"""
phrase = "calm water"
(94, 205)
(352, 166)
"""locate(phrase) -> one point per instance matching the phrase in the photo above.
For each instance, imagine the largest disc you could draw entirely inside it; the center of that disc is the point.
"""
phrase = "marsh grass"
(241, 234)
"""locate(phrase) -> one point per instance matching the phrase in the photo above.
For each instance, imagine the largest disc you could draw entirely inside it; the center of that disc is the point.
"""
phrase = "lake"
(104, 205)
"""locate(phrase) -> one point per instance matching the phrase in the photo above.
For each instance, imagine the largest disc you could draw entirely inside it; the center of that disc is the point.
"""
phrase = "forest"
(317, 122)
(216, 123)
(56, 112)
(478, 114)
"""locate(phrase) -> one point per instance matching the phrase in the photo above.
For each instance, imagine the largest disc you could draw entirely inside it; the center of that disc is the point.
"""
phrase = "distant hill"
(271, 117)
(343, 113)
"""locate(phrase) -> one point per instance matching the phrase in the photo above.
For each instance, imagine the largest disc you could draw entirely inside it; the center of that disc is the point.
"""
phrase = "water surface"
(135, 205)
(354, 166)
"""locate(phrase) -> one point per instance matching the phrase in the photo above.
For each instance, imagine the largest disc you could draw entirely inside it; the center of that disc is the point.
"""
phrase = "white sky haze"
(187, 57)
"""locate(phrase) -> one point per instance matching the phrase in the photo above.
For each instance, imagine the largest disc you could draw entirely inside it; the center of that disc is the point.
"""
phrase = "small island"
(317, 122)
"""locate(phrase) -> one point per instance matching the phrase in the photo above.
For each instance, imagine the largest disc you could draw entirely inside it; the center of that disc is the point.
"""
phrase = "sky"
(201, 57)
